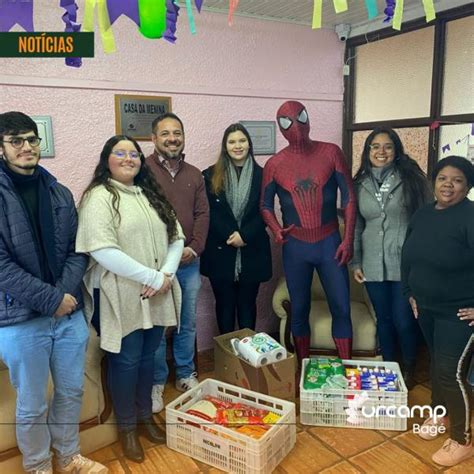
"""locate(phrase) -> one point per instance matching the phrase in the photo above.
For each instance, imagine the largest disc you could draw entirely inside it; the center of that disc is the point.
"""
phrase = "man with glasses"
(183, 185)
(42, 326)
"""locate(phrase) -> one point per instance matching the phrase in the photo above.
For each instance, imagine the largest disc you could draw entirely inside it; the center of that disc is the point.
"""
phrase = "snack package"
(254, 431)
(315, 375)
(203, 409)
(218, 402)
(241, 415)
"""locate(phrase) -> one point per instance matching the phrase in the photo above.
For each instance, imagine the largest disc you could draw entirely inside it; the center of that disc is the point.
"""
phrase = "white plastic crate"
(327, 406)
(223, 447)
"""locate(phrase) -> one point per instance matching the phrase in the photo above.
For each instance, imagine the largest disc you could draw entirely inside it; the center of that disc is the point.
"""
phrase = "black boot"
(408, 373)
(132, 449)
(150, 430)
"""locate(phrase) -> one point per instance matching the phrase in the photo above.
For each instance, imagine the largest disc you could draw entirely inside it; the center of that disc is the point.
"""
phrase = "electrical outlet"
(346, 70)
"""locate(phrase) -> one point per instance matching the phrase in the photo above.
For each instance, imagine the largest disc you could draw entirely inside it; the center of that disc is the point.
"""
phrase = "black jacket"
(218, 258)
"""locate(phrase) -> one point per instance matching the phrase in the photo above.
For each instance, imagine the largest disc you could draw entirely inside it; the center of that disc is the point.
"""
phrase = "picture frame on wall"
(45, 132)
(263, 135)
(134, 114)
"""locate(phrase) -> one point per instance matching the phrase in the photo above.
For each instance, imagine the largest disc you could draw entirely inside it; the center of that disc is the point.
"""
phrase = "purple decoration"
(198, 5)
(472, 128)
(446, 148)
(123, 7)
(389, 10)
(13, 12)
(69, 18)
(172, 12)
(74, 62)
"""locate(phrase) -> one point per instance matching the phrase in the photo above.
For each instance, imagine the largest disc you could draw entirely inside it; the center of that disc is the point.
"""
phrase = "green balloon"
(152, 18)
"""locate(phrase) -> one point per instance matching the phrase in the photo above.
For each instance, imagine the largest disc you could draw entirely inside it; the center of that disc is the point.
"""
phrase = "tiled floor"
(317, 449)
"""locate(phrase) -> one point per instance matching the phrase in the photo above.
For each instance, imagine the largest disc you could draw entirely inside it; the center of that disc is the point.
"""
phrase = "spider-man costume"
(306, 176)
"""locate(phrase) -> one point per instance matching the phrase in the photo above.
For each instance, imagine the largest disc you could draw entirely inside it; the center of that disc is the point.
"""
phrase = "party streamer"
(69, 18)
(389, 10)
(232, 7)
(152, 18)
(371, 6)
(172, 12)
(398, 15)
(317, 14)
(340, 5)
(189, 11)
(429, 10)
(106, 34)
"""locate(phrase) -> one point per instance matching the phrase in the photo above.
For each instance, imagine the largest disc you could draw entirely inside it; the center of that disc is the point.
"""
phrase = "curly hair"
(144, 179)
(458, 162)
(416, 185)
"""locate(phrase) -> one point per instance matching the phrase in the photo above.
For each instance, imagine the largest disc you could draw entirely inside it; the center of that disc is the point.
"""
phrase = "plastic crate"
(327, 407)
(223, 447)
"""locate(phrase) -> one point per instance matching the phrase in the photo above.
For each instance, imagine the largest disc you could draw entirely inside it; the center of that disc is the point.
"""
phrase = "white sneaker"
(82, 465)
(157, 398)
(429, 429)
(183, 385)
(452, 453)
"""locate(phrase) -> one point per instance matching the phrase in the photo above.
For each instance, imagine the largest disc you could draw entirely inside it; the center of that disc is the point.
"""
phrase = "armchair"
(364, 343)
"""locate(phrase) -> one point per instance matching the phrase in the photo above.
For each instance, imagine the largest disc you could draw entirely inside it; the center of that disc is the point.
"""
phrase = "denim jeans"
(31, 350)
(130, 376)
(395, 320)
(189, 279)
(130, 372)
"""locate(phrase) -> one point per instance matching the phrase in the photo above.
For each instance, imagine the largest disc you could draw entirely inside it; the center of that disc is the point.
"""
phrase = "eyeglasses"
(387, 147)
(18, 142)
(122, 154)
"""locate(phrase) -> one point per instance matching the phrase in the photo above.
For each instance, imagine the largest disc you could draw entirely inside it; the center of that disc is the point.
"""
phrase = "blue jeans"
(395, 320)
(130, 376)
(184, 341)
(31, 350)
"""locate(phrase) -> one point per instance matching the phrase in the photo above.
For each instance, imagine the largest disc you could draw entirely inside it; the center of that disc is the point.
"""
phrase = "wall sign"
(263, 134)
(135, 113)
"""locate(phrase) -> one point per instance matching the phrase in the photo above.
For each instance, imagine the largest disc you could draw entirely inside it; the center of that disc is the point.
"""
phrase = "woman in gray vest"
(390, 187)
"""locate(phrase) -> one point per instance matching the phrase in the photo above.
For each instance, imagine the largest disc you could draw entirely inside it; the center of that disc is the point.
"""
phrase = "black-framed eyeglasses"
(18, 142)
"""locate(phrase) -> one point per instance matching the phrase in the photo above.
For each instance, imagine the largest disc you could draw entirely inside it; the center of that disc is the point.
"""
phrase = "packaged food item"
(218, 402)
(241, 415)
(315, 375)
(271, 418)
(254, 431)
(203, 409)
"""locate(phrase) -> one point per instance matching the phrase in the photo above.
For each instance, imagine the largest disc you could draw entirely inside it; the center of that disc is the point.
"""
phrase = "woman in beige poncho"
(135, 242)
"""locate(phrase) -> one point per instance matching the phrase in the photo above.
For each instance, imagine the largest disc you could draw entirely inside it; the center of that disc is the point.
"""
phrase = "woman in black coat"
(237, 256)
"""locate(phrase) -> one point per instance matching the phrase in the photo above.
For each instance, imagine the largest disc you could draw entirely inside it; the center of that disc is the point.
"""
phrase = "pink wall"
(217, 77)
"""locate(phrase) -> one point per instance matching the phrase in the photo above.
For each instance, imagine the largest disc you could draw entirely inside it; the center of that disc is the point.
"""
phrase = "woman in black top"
(438, 278)
(237, 256)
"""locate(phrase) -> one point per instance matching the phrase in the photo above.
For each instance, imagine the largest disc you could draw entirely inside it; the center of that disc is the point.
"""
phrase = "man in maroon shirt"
(183, 185)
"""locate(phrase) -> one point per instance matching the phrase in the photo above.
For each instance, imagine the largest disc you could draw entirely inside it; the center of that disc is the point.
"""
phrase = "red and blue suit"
(306, 177)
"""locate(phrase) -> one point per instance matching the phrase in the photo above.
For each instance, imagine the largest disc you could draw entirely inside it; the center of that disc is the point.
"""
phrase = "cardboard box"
(277, 380)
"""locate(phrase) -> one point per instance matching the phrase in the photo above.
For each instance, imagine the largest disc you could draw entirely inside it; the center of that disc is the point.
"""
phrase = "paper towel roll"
(260, 349)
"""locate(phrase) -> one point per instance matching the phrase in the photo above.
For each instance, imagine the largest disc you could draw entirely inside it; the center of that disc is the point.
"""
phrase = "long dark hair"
(416, 186)
(219, 170)
(151, 189)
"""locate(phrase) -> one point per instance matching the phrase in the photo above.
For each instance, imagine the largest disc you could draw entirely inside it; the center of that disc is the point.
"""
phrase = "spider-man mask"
(293, 121)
